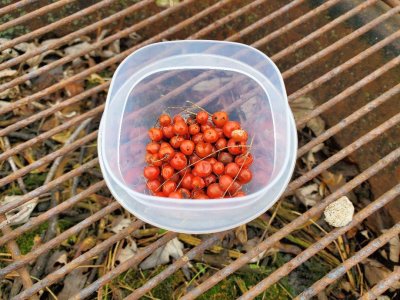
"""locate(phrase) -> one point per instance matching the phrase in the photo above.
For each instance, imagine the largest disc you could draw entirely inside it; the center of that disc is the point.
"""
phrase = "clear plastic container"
(217, 76)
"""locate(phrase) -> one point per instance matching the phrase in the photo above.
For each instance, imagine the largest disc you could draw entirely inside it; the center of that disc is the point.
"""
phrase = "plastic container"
(217, 76)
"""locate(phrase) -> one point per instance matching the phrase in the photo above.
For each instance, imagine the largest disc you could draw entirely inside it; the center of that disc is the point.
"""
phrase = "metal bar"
(339, 271)
(44, 113)
(349, 120)
(368, 137)
(76, 34)
(48, 28)
(294, 23)
(126, 265)
(9, 8)
(343, 67)
(293, 225)
(57, 275)
(321, 244)
(312, 36)
(48, 158)
(49, 186)
(111, 61)
(32, 223)
(153, 282)
(222, 21)
(64, 235)
(265, 20)
(45, 135)
(343, 41)
(34, 14)
(383, 285)
(347, 92)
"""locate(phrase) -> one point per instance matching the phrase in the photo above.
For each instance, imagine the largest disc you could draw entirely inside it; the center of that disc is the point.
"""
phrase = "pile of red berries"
(201, 157)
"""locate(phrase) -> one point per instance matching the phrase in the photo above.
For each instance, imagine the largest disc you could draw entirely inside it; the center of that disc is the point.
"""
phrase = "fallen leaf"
(73, 283)
(333, 181)
(250, 245)
(301, 107)
(162, 255)
(127, 252)
(121, 224)
(310, 160)
(8, 73)
(74, 88)
(210, 85)
(317, 125)
(241, 234)
(374, 272)
(309, 195)
(57, 260)
(394, 248)
(61, 137)
(20, 214)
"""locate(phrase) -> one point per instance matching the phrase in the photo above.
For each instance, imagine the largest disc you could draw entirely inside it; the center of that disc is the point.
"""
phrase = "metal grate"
(343, 54)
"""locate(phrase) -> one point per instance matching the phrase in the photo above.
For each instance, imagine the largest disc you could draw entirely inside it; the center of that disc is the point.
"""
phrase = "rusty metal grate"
(342, 54)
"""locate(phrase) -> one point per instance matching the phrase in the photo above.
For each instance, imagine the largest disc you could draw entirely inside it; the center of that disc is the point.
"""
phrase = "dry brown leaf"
(333, 181)
(301, 107)
(30, 158)
(309, 195)
(20, 214)
(50, 123)
(162, 255)
(250, 245)
(74, 88)
(127, 252)
(310, 160)
(394, 248)
(121, 224)
(241, 234)
(57, 260)
(62, 137)
(317, 125)
(73, 283)
(374, 272)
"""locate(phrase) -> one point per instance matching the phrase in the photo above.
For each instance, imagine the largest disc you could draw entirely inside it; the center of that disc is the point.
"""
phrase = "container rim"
(204, 202)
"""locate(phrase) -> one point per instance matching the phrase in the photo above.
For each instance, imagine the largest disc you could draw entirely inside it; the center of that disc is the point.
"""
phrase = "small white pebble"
(339, 213)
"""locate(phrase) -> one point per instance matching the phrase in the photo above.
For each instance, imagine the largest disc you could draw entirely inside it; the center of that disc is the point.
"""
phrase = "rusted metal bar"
(321, 244)
(294, 23)
(44, 113)
(265, 20)
(49, 186)
(34, 14)
(196, 251)
(48, 28)
(368, 137)
(347, 92)
(45, 135)
(32, 223)
(339, 271)
(383, 285)
(57, 275)
(312, 36)
(293, 225)
(9, 8)
(98, 45)
(392, 3)
(343, 41)
(67, 233)
(222, 21)
(48, 158)
(76, 34)
(111, 61)
(349, 120)
(126, 265)
(345, 66)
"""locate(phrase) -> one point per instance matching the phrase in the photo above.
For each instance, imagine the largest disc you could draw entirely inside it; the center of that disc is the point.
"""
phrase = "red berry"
(221, 143)
(210, 179)
(178, 118)
(234, 147)
(198, 182)
(152, 147)
(155, 134)
(203, 149)
(180, 128)
(187, 147)
(225, 182)
(210, 135)
(244, 160)
(218, 168)
(179, 161)
(151, 172)
(232, 169)
(225, 157)
(169, 187)
(240, 135)
(168, 131)
(202, 117)
(214, 191)
(167, 171)
(229, 127)
(197, 138)
(220, 118)
(176, 141)
(194, 129)
(245, 176)
(176, 195)
(187, 181)
(153, 185)
(166, 152)
(202, 168)
(165, 120)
